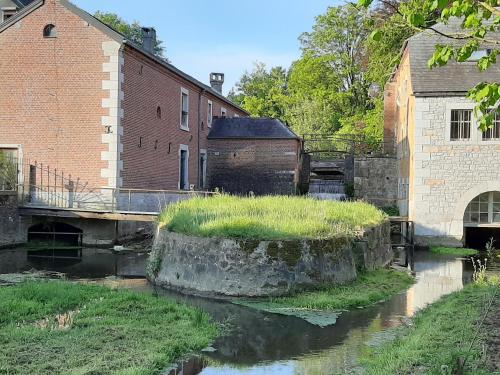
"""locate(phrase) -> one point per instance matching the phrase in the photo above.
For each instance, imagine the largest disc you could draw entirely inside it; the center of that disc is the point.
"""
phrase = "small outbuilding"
(259, 155)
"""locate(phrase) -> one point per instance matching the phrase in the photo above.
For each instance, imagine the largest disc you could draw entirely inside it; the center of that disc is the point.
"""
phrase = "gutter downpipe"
(199, 132)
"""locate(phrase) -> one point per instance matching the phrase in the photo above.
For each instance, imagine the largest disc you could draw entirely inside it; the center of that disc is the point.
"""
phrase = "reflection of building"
(445, 162)
(435, 279)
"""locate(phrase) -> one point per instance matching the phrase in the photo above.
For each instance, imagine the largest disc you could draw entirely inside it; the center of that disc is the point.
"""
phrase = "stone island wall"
(239, 267)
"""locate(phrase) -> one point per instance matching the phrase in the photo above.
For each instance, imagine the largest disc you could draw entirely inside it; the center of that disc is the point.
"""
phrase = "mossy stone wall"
(238, 267)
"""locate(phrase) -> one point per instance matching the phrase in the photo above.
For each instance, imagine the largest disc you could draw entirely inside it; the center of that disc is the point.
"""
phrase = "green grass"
(113, 332)
(270, 217)
(456, 251)
(440, 335)
(368, 288)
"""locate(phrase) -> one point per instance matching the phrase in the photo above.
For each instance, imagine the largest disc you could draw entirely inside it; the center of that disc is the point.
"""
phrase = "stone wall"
(11, 224)
(237, 267)
(447, 174)
(376, 180)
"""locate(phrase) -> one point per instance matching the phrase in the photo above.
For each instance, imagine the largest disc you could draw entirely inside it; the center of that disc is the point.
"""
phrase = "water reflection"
(263, 343)
(91, 263)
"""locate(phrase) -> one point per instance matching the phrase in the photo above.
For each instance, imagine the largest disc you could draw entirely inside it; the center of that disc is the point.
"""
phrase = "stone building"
(86, 101)
(258, 155)
(449, 171)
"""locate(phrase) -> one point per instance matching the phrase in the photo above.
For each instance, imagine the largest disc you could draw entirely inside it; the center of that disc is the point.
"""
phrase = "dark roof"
(250, 127)
(453, 78)
(120, 38)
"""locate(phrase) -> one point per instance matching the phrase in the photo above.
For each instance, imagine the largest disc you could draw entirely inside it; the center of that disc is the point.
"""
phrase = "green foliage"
(456, 251)
(132, 31)
(271, 217)
(325, 87)
(440, 335)
(480, 22)
(8, 172)
(111, 332)
(369, 288)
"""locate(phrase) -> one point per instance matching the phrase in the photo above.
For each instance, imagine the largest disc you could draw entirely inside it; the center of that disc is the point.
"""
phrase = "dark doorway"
(476, 237)
(184, 179)
(54, 240)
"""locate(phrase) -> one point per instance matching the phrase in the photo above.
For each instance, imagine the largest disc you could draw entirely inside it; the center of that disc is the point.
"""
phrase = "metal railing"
(44, 187)
(338, 146)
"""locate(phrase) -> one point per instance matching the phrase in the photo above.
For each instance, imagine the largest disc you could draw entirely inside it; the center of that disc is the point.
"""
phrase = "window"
(223, 112)
(7, 13)
(158, 112)
(184, 109)
(49, 31)
(184, 167)
(484, 209)
(210, 113)
(493, 133)
(460, 124)
(477, 55)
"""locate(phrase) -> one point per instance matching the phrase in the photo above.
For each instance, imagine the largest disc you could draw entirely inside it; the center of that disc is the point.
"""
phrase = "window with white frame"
(484, 209)
(460, 125)
(184, 109)
(223, 112)
(493, 133)
(7, 12)
(210, 113)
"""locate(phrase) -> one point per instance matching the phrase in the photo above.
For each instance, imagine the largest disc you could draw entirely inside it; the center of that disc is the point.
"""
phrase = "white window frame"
(210, 113)
(496, 123)
(223, 112)
(184, 127)
(183, 148)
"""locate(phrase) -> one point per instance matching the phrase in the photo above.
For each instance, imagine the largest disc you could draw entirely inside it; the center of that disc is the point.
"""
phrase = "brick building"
(258, 155)
(449, 171)
(86, 101)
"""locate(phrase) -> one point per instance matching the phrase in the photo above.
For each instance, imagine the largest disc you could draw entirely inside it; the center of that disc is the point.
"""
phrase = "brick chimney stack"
(216, 81)
(149, 39)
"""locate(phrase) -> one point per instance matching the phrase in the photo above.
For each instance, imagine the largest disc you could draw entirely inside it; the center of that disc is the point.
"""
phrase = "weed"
(456, 251)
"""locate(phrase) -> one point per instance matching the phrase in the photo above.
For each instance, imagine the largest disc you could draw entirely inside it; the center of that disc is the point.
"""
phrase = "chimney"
(216, 81)
(149, 39)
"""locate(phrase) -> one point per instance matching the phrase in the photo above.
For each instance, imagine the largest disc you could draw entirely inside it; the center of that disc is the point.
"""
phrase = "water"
(263, 343)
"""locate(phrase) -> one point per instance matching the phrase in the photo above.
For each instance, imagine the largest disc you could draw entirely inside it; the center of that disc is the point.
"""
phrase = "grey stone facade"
(447, 174)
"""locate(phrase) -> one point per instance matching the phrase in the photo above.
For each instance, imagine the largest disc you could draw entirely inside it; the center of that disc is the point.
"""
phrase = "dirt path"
(492, 327)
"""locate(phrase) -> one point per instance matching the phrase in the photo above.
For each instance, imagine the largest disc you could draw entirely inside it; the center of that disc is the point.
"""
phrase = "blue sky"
(202, 36)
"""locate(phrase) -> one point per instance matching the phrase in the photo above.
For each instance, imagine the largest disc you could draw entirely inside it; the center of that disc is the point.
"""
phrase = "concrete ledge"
(238, 267)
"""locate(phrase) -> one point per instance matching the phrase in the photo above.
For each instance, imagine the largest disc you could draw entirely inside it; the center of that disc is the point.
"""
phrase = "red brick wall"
(260, 165)
(51, 92)
(148, 167)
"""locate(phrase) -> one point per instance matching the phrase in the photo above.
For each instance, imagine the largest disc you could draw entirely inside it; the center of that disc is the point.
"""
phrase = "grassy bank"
(271, 217)
(456, 251)
(368, 288)
(56, 327)
(441, 335)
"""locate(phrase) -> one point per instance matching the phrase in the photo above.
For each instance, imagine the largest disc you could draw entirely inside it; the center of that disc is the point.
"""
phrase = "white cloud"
(231, 60)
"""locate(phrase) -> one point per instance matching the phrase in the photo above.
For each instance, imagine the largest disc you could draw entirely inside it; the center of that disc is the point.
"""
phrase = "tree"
(132, 31)
(479, 27)
(262, 92)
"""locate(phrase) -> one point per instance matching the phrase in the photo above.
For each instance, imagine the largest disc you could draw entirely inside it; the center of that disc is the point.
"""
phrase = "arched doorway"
(55, 240)
(482, 220)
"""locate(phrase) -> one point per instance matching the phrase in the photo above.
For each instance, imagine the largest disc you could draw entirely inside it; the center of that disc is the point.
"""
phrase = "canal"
(256, 342)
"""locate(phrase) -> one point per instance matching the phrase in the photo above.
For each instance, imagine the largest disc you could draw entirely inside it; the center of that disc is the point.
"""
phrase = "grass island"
(301, 252)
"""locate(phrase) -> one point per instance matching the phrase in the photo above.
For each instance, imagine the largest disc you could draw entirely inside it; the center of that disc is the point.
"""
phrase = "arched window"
(49, 31)
(484, 209)
(158, 112)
